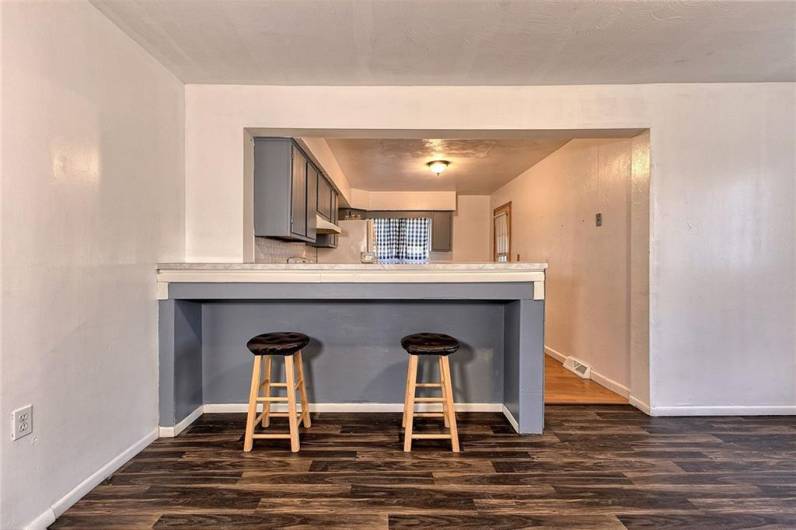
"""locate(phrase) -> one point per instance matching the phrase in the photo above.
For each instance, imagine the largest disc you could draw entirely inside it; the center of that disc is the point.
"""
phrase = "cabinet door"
(334, 238)
(273, 160)
(312, 199)
(441, 231)
(298, 195)
(325, 193)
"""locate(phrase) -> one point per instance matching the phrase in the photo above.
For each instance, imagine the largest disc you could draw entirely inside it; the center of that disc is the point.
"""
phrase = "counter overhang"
(533, 273)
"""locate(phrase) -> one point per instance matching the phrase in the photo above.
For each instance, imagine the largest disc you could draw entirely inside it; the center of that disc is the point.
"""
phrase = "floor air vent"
(580, 369)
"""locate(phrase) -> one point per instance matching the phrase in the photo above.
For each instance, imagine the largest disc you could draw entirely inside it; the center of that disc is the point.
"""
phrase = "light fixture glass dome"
(438, 166)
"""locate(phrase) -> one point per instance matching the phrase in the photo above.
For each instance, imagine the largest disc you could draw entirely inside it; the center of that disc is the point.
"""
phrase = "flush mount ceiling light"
(438, 166)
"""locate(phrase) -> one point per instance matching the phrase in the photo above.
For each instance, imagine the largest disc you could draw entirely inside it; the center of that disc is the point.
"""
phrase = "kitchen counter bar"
(356, 315)
(170, 273)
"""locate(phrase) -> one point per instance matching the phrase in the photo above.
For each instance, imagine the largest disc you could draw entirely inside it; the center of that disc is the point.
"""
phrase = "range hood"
(322, 226)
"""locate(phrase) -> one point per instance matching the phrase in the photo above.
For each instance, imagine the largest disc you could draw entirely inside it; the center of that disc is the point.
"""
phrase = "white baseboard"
(210, 408)
(171, 432)
(728, 410)
(602, 380)
(640, 405)
(78, 492)
(557, 355)
(595, 376)
(509, 416)
(44, 520)
(610, 384)
(357, 407)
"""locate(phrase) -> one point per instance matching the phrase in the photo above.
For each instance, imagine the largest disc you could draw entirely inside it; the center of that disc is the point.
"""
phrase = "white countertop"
(370, 267)
(350, 273)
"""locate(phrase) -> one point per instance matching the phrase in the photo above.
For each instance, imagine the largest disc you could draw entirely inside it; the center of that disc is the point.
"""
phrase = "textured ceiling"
(477, 166)
(464, 42)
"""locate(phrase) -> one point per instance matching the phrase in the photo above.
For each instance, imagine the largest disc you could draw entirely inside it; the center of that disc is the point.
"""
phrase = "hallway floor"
(595, 466)
(562, 387)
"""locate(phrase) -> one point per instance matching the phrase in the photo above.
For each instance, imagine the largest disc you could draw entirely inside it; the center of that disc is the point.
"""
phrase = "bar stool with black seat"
(422, 344)
(264, 347)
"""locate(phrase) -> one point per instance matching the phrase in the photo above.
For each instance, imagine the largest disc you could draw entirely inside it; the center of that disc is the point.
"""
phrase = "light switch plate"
(21, 422)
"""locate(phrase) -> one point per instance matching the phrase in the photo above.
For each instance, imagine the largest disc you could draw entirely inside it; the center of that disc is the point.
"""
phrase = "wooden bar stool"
(442, 346)
(287, 345)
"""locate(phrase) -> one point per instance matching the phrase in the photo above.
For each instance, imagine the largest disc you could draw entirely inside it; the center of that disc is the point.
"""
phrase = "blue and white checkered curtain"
(403, 240)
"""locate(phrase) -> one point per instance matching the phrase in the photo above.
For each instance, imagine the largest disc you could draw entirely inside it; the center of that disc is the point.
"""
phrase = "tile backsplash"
(268, 250)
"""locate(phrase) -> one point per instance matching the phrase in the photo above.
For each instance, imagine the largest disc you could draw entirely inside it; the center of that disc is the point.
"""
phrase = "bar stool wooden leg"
(410, 403)
(406, 391)
(254, 392)
(449, 406)
(290, 380)
(266, 390)
(305, 405)
(442, 386)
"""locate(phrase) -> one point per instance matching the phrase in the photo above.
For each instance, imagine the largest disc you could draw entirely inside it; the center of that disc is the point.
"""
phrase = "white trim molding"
(356, 407)
(640, 405)
(610, 384)
(725, 410)
(538, 290)
(509, 416)
(214, 408)
(163, 290)
(555, 354)
(171, 432)
(48, 517)
(600, 379)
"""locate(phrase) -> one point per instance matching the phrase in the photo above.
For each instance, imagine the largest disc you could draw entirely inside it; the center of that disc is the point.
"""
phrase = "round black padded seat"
(430, 344)
(278, 343)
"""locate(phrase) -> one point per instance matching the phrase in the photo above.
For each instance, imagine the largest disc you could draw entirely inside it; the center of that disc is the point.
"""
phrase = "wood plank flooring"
(594, 467)
(562, 387)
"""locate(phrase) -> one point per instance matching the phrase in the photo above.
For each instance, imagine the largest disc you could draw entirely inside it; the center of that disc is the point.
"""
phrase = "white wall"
(403, 200)
(472, 226)
(639, 264)
(553, 205)
(92, 198)
(722, 285)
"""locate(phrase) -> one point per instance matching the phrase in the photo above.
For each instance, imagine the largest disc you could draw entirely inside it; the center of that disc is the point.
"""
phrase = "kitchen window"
(406, 240)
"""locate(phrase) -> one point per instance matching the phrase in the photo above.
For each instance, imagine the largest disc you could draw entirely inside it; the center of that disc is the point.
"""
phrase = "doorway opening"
(584, 209)
(501, 233)
(576, 199)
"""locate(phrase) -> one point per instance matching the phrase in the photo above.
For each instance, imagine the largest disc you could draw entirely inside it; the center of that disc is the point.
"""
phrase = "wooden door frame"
(502, 208)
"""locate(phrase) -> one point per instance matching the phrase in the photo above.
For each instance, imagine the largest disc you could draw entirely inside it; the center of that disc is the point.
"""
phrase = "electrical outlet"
(21, 422)
(598, 219)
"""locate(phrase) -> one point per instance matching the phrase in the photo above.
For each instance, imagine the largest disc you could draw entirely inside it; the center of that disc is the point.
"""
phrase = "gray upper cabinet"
(313, 177)
(298, 203)
(326, 196)
(441, 231)
(285, 196)
(327, 208)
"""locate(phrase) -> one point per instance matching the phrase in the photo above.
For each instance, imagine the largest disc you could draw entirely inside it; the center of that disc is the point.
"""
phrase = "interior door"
(501, 233)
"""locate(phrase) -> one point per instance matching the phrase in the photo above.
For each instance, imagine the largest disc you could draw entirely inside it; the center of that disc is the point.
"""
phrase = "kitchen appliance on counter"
(299, 259)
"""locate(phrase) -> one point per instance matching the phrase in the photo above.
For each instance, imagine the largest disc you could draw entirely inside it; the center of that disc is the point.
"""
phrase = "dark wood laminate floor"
(594, 467)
